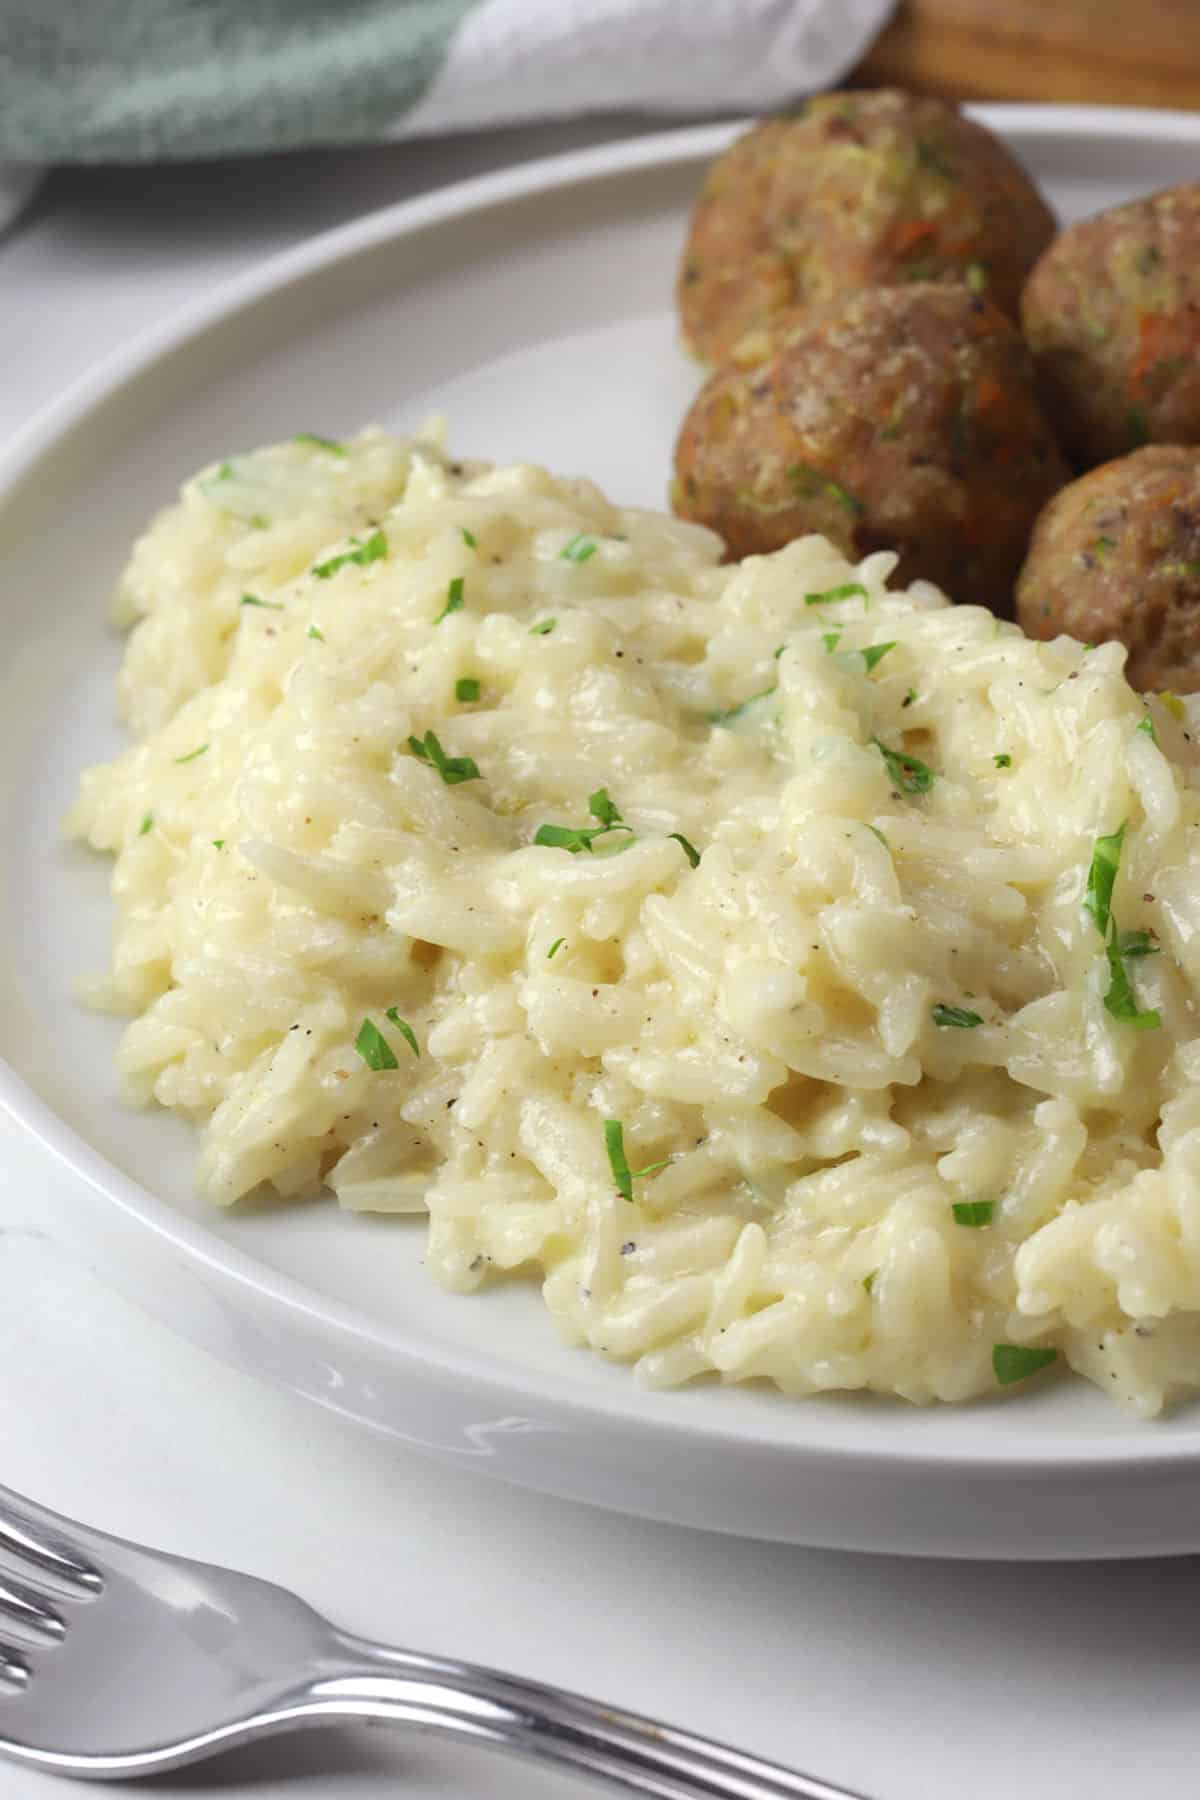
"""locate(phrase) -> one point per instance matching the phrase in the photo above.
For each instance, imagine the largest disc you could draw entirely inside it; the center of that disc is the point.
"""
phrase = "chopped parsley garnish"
(1014, 1362)
(314, 631)
(1003, 760)
(1106, 859)
(579, 549)
(875, 832)
(192, 754)
(875, 653)
(555, 947)
(567, 837)
(218, 843)
(146, 824)
(1188, 569)
(977, 277)
(812, 483)
(469, 539)
(689, 849)
(543, 628)
(849, 590)
(735, 712)
(909, 697)
(1102, 549)
(618, 1162)
(831, 640)
(374, 1048)
(973, 1212)
(368, 550)
(1120, 999)
(320, 443)
(454, 599)
(452, 769)
(253, 600)
(466, 688)
(777, 653)
(405, 1029)
(1146, 727)
(908, 772)
(869, 1281)
(623, 1175)
(602, 808)
(575, 839)
(961, 1017)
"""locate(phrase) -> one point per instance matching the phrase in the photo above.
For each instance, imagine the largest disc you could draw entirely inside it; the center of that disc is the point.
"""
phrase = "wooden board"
(1141, 54)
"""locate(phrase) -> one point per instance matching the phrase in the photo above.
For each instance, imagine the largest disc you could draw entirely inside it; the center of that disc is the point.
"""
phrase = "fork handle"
(547, 1724)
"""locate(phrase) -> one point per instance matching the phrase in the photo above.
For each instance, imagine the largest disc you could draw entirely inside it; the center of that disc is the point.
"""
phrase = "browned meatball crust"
(854, 190)
(1116, 555)
(1112, 314)
(903, 419)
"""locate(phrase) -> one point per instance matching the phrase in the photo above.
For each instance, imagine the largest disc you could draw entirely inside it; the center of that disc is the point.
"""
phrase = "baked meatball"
(1112, 314)
(854, 190)
(1117, 555)
(904, 419)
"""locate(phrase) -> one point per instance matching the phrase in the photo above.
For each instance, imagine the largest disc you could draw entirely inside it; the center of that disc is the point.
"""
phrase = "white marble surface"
(910, 1681)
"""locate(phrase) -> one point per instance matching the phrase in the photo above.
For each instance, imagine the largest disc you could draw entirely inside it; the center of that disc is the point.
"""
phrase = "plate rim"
(287, 1294)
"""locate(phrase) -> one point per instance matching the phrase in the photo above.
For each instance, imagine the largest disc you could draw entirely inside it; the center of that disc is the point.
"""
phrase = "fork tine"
(21, 1606)
(14, 1670)
(23, 1535)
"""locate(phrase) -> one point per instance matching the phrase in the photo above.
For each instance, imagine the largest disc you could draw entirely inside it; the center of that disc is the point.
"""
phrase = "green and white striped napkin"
(86, 81)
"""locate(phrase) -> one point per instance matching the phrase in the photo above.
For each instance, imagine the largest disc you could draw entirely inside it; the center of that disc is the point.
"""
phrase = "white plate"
(533, 307)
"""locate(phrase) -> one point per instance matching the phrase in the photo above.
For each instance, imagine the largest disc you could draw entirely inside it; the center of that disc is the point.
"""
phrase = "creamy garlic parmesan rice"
(839, 1031)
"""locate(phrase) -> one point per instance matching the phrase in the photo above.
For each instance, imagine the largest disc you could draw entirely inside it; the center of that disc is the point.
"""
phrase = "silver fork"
(118, 1661)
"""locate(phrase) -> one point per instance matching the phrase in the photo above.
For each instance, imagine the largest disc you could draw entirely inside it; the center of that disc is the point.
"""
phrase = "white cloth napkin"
(514, 60)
